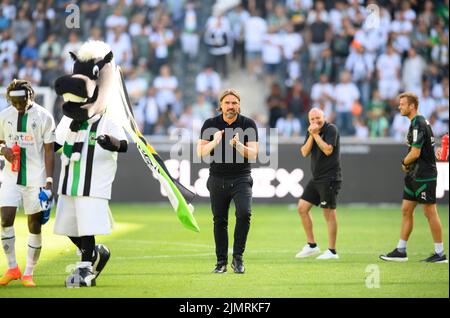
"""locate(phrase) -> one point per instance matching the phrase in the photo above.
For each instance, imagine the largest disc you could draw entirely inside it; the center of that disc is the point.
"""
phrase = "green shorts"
(420, 190)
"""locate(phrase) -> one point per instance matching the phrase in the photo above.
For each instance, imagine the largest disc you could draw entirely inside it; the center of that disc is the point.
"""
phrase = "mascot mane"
(93, 50)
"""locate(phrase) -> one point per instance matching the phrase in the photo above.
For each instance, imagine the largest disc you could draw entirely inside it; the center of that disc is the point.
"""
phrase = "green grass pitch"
(154, 256)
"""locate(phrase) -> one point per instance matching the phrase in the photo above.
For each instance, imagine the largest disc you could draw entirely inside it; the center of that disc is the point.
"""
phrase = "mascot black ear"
(108, 57)
(73, 56)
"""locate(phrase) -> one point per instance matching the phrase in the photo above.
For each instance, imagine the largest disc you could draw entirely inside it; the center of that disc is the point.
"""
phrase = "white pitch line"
(165, 243)
(251, 251)
(277, 251)
(164, 256)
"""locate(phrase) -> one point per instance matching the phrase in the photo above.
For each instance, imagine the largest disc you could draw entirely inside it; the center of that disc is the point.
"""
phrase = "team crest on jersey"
(92, 138)
(34, 125)
(423, 195)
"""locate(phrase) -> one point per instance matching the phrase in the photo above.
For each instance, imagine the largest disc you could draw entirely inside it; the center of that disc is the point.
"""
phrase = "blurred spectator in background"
(340, 46)
(177, 107)
(30, 51)
(208, 83)
(346, 94)
(166, 85)
(439, 128)
(140, 32)
(30, 72)
(190, 39)
(442, 106)
(218, 38)
(360, 65)
(361, 129)
(319, 33)
(272, 56)
(276, 104)
(238, 17)
(41, 18)
(188, 124)
(121, 47)
(161, 39)
(51, 67)
(73, 45)
(427, 104)
(7, 72)
(202, 109)
(147, 111)
(322, 97)
(91, 10)
(136, 86)
(399, 127)
(421, 40)
(378, 124)
(388, 70)
(277, 19)
(21, 27)
(291, 46)
(95, 34)
(288, 127)
(255, 29)
(50, 47)
(299, 104)
(8, 47)
(401, 29)
(413, 68)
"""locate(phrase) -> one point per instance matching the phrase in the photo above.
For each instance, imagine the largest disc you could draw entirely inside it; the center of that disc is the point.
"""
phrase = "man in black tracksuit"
(229, 175)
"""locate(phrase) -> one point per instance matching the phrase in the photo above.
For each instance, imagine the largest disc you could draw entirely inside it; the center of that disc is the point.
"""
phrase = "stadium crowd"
(350, 58)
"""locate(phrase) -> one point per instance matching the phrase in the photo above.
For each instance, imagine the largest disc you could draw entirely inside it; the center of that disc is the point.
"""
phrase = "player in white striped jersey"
(30, 128)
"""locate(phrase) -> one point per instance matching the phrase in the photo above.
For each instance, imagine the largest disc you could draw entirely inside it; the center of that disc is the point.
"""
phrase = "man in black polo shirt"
(420, 182)
(322, 142)
(229, 175)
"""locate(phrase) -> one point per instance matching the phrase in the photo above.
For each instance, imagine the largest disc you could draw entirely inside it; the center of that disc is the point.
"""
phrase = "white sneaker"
(308, 251)
(327, 255)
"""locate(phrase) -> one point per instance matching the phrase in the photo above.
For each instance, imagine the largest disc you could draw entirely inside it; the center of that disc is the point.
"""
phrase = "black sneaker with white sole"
(220, 268)
(101, 257)
(395, 256)
(81, 277)
(238, 265)
(436, 258)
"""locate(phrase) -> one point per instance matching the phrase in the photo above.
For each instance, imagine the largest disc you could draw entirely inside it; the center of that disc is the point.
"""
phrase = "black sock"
(76, 241)
(332, 250)
(87, 248)
(312, 245)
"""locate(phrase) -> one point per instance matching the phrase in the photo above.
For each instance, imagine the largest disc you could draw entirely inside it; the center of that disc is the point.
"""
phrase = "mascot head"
(86, 92)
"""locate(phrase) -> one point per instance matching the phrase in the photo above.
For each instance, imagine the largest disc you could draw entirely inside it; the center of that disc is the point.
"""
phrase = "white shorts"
(82, 216)
(14, 195)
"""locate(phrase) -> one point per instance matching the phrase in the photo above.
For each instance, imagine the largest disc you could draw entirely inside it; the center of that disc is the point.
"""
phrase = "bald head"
(316, 117)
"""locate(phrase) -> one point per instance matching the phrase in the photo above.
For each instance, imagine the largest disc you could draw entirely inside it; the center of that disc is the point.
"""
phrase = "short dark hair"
(411, 97)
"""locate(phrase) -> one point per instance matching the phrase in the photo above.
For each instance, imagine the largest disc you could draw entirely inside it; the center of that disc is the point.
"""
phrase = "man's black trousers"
(222, 191)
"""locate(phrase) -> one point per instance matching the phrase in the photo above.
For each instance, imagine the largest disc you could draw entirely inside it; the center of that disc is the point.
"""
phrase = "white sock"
(34, 251)
(401, 244)
(8, 242)
(439, 248)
